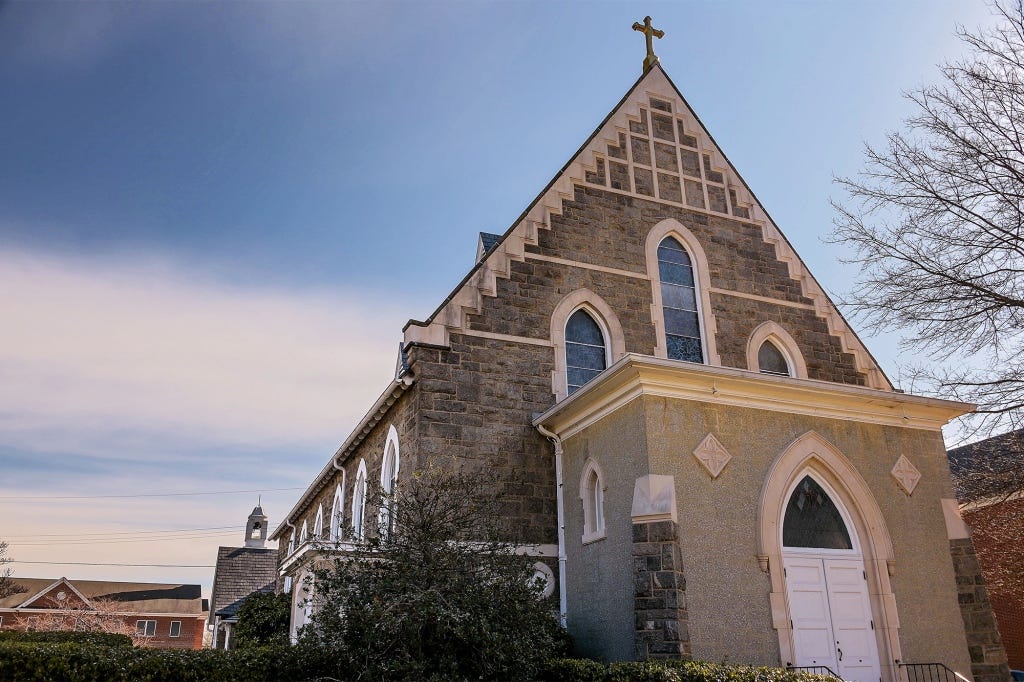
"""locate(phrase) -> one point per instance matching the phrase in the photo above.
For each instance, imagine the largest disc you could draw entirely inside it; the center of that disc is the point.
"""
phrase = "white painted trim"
(304, 533)
(55, 583)
(387, 484)
(607, 320)
(337, 509)
(587, 266)
(671, 227)
(506, 337)
(318, 522)
(593, 529)
(763, 299)
(359, 497)
(391, 441)
(636, 375)
(781, 339)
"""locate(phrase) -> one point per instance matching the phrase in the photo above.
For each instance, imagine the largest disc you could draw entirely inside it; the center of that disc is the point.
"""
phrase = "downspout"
(560, 505)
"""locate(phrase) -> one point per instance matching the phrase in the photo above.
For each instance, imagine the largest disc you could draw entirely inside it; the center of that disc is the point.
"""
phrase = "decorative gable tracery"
(652, 146)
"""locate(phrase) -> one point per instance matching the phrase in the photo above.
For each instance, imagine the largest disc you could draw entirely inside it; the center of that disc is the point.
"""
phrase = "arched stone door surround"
(812, 452)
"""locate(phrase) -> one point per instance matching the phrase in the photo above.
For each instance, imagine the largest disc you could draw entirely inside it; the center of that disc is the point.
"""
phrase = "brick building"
(994, 509)
(168, 616)
(716, 467)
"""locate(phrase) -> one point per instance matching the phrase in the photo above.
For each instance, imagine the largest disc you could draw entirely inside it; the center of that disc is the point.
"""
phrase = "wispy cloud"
(107, 358)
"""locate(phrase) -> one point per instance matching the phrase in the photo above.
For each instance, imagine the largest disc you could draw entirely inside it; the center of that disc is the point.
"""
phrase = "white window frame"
(291, 541)
(144, 630)
(671, 227)
(338, 510)
(388, 483)
(359, 501)
(304, 533)
(594, 527)
(774, 333)
(170, 630)
(318, 523)
(607, 320)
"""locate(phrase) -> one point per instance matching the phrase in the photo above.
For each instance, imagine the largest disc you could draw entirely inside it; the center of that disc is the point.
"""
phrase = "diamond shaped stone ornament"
(906, 474)
(712, 454)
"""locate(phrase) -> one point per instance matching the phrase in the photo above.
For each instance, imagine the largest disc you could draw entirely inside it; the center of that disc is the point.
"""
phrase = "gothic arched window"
(359, 501)
(585, 350)
(813, 520)
(592, 494)
(318, 524)
(770, 360)
(388, 481)
(304, 533)
(291, 541)
(337, 512)
(679, 302)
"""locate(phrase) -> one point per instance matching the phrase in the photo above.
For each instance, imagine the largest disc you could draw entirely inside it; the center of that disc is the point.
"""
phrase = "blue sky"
(216, 217)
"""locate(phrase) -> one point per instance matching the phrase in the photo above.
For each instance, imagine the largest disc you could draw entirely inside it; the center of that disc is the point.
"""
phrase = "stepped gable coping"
(395, 389)
(497, 262)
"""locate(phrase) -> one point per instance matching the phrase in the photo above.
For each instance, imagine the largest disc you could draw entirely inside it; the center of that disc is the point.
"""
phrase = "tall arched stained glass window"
(584, 349)
(679, 301)
(813, 520)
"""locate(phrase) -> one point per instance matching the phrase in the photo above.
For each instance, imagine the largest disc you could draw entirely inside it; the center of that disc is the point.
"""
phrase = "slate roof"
(998, 457)
(134, 597)
(241, 571)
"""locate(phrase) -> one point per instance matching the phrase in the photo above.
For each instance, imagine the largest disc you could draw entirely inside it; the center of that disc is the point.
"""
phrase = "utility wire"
(107, 497)
(89, 563)
(118, 541)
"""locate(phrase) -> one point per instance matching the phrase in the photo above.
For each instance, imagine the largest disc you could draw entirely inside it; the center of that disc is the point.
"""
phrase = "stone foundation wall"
(988, 658)
(662, 630)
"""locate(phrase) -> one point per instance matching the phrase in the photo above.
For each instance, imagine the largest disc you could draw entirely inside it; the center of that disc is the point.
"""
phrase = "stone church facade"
(713, 464)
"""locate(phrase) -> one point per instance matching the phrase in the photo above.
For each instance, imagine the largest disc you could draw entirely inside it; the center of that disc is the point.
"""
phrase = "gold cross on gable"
(650, 33)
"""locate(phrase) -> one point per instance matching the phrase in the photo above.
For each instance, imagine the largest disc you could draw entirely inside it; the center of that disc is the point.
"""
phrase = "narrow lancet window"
(585, 354)
(770, 360)
(679, 301)
(813, 520)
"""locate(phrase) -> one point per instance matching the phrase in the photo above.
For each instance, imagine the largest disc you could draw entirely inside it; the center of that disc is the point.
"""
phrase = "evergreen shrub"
(64, 637)
(584, 670)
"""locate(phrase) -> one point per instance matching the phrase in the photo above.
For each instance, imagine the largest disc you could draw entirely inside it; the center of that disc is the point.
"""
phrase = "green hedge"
(97, 638)
(85, 663)
(70, 662)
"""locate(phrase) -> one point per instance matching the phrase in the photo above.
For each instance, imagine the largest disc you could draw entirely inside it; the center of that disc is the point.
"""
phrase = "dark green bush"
(572, 670)
(97, 638)
(583, 670)
(88, 663)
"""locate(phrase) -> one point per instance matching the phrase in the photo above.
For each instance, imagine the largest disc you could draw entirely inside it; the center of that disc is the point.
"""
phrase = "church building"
(715, 466)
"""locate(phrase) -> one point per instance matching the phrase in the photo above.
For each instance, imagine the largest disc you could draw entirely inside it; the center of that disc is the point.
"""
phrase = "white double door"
(831, 614)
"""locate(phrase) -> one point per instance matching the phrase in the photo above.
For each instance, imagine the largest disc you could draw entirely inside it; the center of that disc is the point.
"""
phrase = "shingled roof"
(241, 571)
(133, 597)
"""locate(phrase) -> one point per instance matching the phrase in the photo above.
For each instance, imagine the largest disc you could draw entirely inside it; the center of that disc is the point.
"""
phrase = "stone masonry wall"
(662, 630)
(988, 658)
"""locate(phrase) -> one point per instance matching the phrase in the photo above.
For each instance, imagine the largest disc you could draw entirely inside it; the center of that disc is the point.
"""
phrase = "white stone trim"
(811, 453)
(593, 528)
(468, 297)
(359, 501)
(587, 266)
(338, 509)
(762, 299)
(713, 455)
(906, 474)
(781, 339)
(615, 341)
(318, 521)
(701, 279)
(506, 337)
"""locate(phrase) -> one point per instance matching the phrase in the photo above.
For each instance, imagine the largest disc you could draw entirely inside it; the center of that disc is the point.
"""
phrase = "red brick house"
(169, 616)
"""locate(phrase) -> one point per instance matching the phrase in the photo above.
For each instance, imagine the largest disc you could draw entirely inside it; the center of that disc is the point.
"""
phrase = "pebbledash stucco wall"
(727, 594)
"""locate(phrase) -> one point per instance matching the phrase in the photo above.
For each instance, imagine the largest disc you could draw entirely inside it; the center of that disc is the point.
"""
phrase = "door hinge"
(865, 574)
(872, 625)
(784, 574)
(791, 624)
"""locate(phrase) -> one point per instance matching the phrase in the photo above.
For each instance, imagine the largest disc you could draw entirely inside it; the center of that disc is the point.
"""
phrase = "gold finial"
(650, 33)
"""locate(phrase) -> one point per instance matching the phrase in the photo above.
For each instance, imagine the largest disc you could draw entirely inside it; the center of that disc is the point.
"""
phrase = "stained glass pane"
(812, 519)
(673, 296)
(771, 361)
(582, 328)
(675, 273)
(683, 348)
(587, 357)
(673, 253)
(681, 323)
(578, 376)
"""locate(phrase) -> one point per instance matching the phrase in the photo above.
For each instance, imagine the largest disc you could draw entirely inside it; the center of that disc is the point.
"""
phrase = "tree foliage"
(8, 586)
(936, 219)
(262, 621)
(438, 594)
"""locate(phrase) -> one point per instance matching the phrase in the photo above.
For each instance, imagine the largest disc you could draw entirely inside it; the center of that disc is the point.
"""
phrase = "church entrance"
(826, 586)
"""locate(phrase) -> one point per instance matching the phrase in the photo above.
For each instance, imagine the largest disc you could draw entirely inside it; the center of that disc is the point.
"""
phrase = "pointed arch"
(774, 333)
(592, 489)
(338, 509)
(318, 522)
(602, 314)
(304, 533)
(813, 454)
(671, 227)
(388, 480)
(359, 501)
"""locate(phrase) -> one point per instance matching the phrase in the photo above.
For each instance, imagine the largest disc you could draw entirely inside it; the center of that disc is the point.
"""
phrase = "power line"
(90, 563)
(118, 541)
(107, 497)
(124, 532)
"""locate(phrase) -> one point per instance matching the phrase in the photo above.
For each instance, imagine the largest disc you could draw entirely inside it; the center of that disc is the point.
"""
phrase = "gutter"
(560, 504)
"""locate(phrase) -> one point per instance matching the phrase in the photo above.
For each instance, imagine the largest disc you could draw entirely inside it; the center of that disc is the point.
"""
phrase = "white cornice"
(638, 375)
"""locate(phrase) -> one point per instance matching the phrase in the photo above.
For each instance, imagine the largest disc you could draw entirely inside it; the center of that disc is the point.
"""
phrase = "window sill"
(589, 538)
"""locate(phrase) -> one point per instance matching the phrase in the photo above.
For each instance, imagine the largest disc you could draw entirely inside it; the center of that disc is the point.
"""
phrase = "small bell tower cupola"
(256, 529)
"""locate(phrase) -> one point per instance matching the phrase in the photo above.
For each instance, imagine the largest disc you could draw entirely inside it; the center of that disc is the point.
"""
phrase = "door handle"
(840, 651)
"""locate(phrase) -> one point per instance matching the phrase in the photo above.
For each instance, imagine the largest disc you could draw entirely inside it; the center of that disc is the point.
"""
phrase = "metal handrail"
(815, 669)
(931, 672)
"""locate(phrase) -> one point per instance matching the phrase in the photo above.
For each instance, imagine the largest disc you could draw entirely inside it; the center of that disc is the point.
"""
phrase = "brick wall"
(191, 636)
